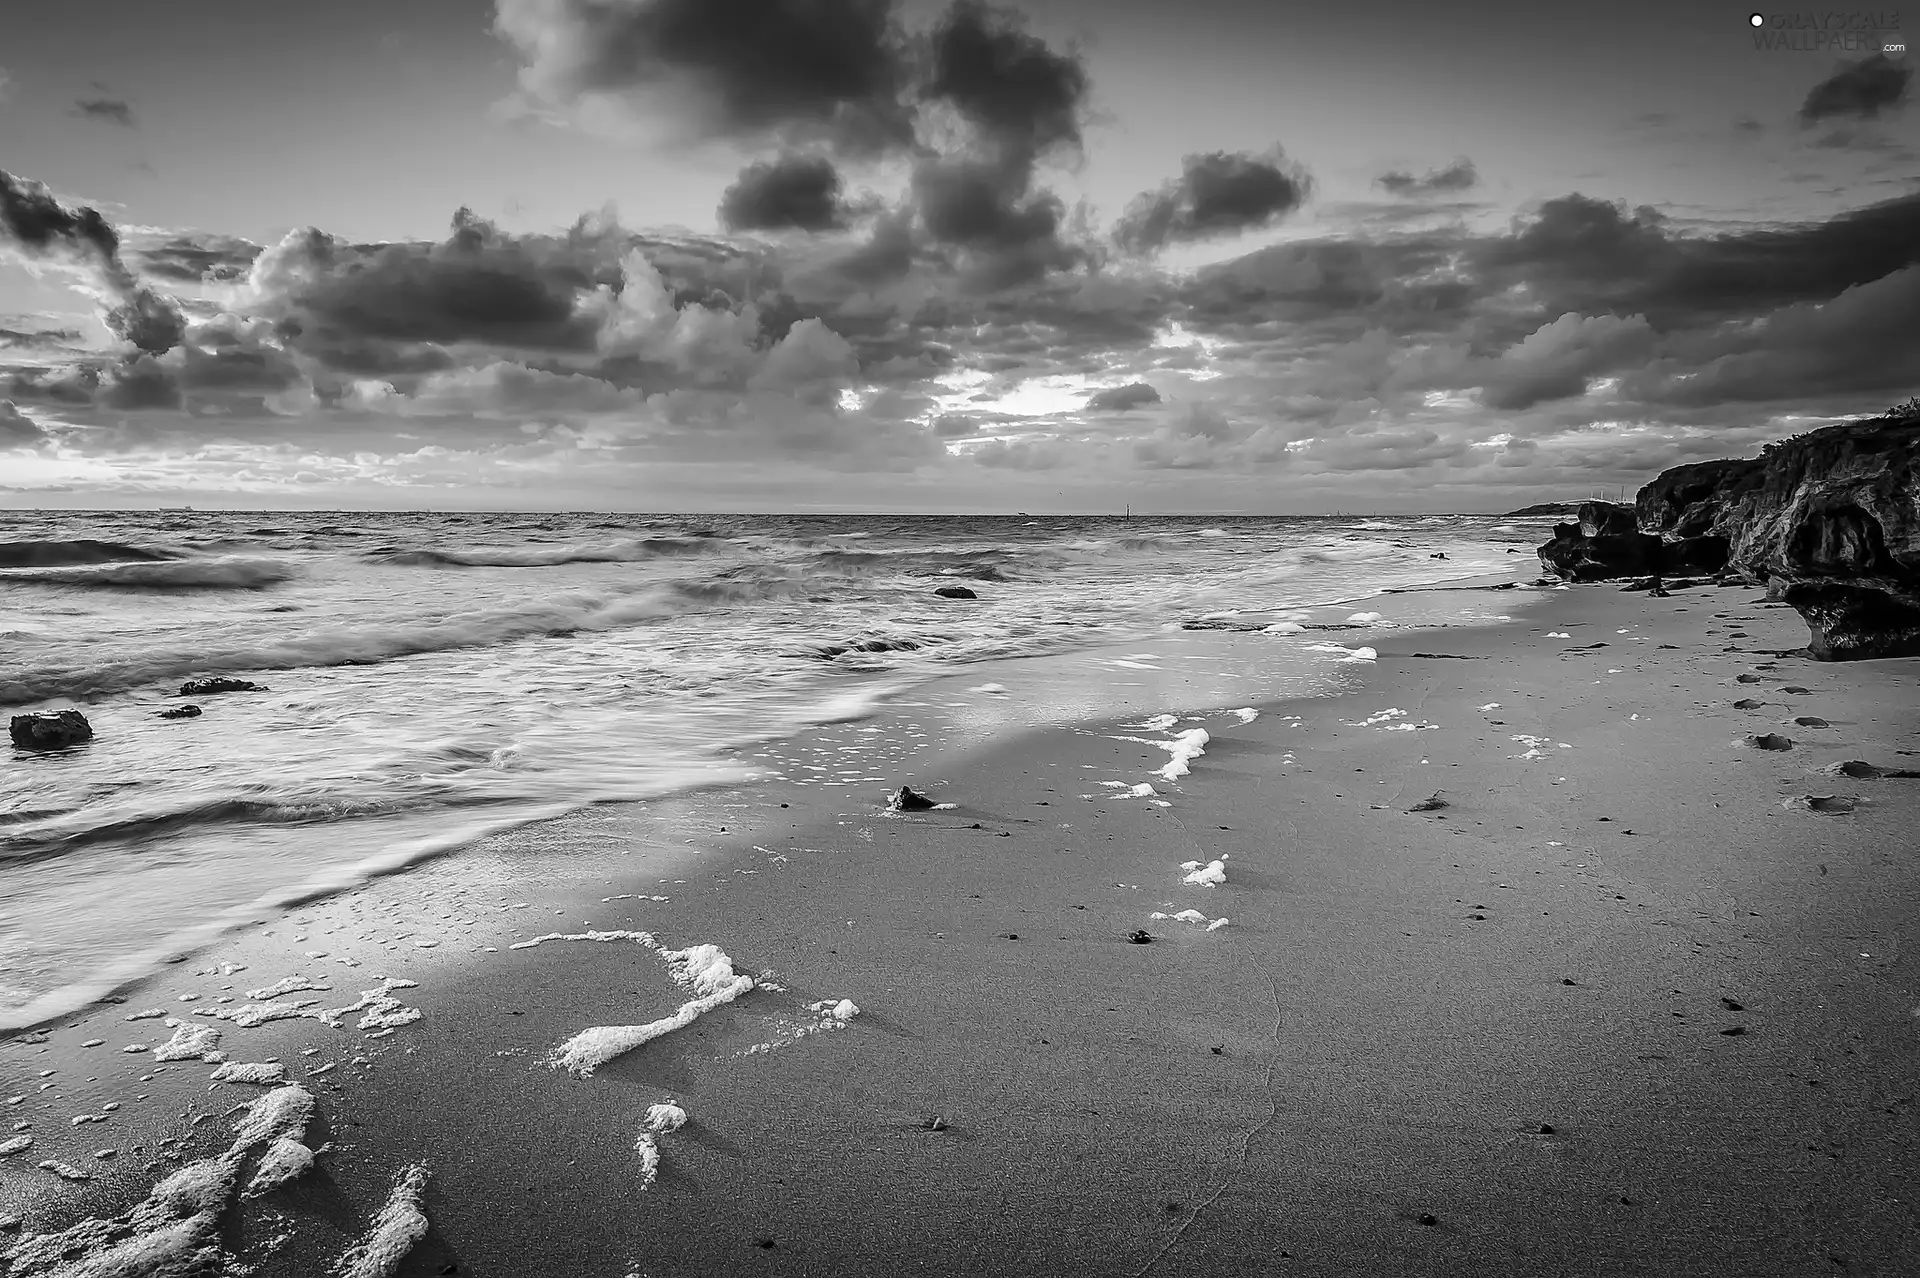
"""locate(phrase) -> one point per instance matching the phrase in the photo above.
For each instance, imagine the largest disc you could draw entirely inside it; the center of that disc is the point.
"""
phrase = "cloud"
(1122, 398)
(38, 337)
(1455, 177)
(1216, 194)
(1557, 360)
(37, 224)
(17, 430)
(787, 70)
(1858, 90)
(194, 258)
(111, 110)
(793, 192)
(1022, 96)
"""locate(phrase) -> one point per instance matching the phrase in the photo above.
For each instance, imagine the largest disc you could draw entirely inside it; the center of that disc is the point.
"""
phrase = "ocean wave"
(65, 554)
(169, 574)
(619, 552)
(371, 645)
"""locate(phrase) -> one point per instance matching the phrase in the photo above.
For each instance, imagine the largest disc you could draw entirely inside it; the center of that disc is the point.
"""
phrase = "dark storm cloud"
(1858, 90)
(35, 220)
(68, 386)
(476, 286)
(1020, 101)
(1020, 94)
(1121, 398)
(1591, 255)
(1458, 176)
(1216, 194)
(112, 110)
(794, 192)
(750, 68)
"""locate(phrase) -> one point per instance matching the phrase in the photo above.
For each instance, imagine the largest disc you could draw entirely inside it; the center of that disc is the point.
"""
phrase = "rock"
(1545, 508)
(1697, 499)
(1811, 721)
(179, 712)
(1140, 936)
(1768, 741)
(1706, 554)
(1643, 583)
(908, 799)
(218, 683)
(1438, 554)
(1828, 522)
(1576, 555)
(1748, 703)
(1432, 803)
(49, 729)
(1853, 623)
(1605, 519)
(955, 592)
(1820, 803)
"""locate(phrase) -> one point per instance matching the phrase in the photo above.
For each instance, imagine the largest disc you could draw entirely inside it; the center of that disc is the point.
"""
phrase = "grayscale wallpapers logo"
(1831, 31)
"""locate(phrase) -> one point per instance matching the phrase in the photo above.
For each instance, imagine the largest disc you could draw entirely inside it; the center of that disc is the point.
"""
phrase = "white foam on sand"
(1212, 874)
(1558, 634)
(284, 1111)
(1186, 747)
(1366, 618)
(1247, 714)
(997, 689)
(1350, 654)
(660, 1120)
(175, 1229)
(1283, 628)
(190, 1042)
(1491, 705)
(640, 938)
(1533, 745)
(703, 969)
(1192, 916)
(263, 1074)
(381, 1011)
(249, 1015)
(1156, 723)
(286, 1159)
(400, 1224)
(288, 985)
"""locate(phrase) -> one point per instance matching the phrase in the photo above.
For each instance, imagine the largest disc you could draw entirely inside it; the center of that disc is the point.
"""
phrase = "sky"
(1224, 256)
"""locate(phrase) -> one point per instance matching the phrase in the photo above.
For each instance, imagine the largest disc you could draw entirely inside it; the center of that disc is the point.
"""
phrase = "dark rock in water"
(1748, 703)
(907, 799)
(49, 729)
(1769, 741)
(219, 683)
(179, 712)
(1545, 508)
(1140, 936)
(955, 592)
(1438, 554)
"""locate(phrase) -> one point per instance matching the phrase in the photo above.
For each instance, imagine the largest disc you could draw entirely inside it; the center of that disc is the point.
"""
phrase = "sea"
(433, 677)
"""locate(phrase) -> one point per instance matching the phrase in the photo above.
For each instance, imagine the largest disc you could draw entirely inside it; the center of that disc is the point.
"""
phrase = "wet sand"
(1491, 1037)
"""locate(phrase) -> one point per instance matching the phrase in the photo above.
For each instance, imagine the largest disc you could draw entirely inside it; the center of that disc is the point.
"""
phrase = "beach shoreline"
(1493, 1050)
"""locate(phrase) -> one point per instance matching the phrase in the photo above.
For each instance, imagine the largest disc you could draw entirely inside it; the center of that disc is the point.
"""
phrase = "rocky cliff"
(1828, 521)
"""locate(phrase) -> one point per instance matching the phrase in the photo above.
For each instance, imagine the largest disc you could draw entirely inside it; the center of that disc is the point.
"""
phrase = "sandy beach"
(1625, 1004)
